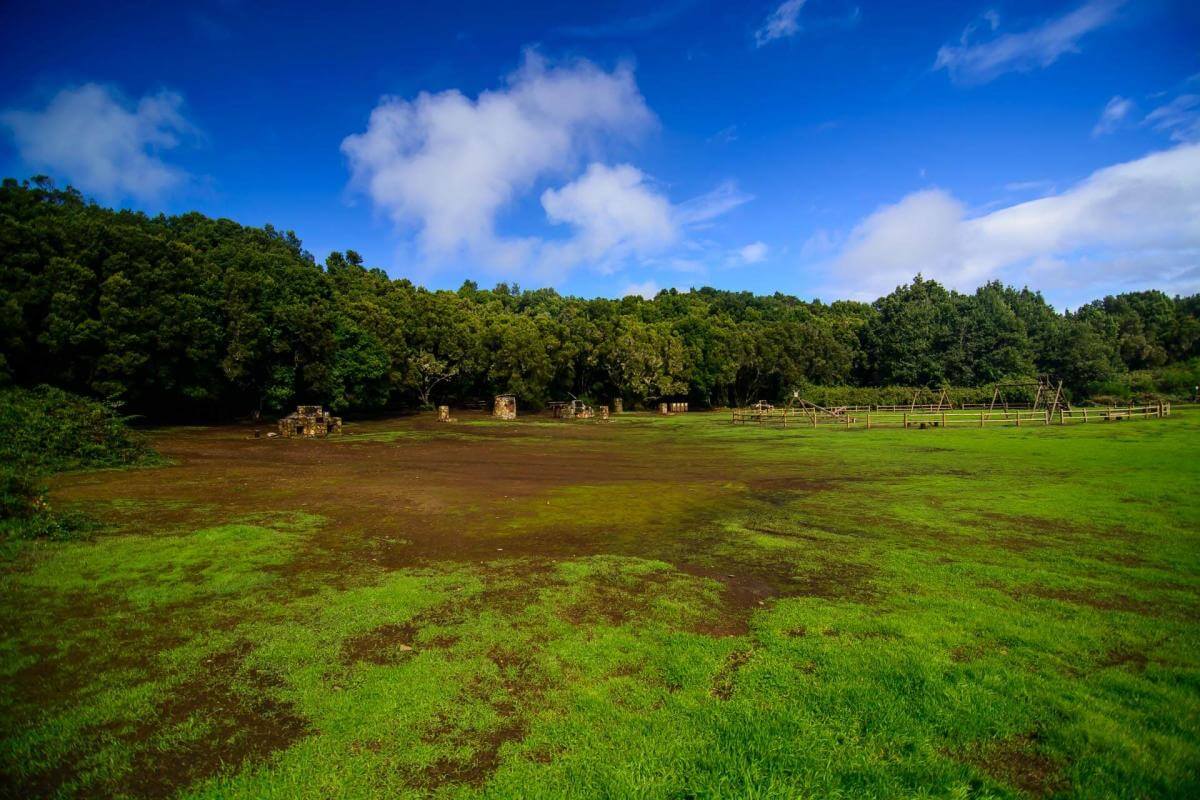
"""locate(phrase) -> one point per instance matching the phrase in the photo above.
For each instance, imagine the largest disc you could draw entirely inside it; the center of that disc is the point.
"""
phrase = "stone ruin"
(571, 409)
(444, 414)
(604, 413)
(618, 405)
(505, 407)
(311, 421)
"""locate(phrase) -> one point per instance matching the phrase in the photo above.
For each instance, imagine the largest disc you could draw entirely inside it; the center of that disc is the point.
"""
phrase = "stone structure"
(678, 408)
(604, 413)
(618, 405)
(664, 409)
(444, 414)
(309, 421)
(505, 407)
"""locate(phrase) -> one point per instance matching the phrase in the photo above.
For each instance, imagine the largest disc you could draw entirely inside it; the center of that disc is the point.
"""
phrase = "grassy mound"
(47, 430)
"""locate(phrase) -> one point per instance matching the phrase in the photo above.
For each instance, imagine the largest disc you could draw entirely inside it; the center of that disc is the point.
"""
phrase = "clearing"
(651, 607)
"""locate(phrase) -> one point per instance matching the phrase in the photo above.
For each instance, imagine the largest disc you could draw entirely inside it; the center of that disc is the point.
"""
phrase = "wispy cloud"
(102, 143)
(645, 289)
(630, 26)
(784, 21)
(1136, 223)
(1115, 112)
(978, 62)
(710, 205)
(753, 252)
(1179, 119)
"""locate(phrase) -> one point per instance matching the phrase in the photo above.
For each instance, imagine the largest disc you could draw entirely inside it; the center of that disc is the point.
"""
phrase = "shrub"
(47, 430)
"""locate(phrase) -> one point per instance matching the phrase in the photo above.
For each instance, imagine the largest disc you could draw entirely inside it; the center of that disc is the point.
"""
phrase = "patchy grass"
(655, 607)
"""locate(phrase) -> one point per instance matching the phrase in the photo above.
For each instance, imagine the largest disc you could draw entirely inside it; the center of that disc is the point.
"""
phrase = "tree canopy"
(188, 315)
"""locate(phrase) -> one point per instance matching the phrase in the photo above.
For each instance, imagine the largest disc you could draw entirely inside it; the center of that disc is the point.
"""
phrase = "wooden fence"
(923, 419)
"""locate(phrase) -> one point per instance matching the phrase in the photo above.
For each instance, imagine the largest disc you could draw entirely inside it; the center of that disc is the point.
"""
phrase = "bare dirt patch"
(723, 681)
(1018, 762)
(244, 721)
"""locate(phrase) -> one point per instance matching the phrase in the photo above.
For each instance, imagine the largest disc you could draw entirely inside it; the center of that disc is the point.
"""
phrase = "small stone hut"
(505, 406)
(309, 421)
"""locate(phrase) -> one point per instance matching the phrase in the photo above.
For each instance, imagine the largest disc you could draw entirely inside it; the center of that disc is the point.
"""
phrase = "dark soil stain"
(1111, 602)
(245, 724)
(723, 681)
(387, 644)
(1018, 762)
(515, 686)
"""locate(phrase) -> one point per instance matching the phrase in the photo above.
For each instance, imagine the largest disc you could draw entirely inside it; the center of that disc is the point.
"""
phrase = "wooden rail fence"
(850, 417)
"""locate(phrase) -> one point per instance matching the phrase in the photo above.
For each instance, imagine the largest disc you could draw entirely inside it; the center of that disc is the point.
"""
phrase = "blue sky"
(825, 148)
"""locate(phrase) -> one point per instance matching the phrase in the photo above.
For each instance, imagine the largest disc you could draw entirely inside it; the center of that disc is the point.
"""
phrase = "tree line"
(186, 315)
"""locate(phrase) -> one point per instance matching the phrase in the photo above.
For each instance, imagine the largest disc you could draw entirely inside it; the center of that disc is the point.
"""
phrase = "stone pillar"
(618, 405)
(505, 407)
(662, 410)
(604, 413)
(443, 413)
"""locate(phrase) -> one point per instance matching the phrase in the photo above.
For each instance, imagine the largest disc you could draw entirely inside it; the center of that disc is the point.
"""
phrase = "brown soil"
(1018, 762)
(723, 681)
(458, 493)
(243, 721)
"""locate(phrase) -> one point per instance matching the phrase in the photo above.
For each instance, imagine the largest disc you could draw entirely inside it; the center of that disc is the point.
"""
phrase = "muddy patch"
(724, 681)
(476, 750)
(387, 644)
(1079, 597)
(1018, 762)
(245, 722)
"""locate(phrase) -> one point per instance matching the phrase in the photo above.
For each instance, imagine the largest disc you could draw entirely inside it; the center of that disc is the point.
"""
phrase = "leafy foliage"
(48, 430)
(190, 316)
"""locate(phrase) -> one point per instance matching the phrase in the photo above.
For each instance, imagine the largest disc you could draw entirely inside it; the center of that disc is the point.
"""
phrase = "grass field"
(650, 608)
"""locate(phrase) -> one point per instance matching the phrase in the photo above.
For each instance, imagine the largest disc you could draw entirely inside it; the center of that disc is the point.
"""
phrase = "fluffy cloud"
(448, 164)
(615, 214)
(1041, 46)
(784, 21)
(1132, 223)
(753, 253)
(100, 143)
(1115, 112)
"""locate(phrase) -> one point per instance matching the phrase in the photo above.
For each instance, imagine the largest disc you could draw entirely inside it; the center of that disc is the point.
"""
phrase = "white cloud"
(753, 253)
(646, 290)
(102, 144)
(1180, 118)
(1114, 113)
(449, 164)
(615, 214)
(1132, 223)
(700, 210)
(1040, 46)
(784, 21)
(446, 166)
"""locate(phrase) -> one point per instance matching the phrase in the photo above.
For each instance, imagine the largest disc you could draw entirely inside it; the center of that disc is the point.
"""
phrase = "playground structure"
(571, 409)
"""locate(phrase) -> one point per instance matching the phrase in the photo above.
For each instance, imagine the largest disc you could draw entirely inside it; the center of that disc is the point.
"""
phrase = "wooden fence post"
(906, 421)
(868, 420)
(1018, 419)
(943, 419)
(981, 419)
(1085, 415)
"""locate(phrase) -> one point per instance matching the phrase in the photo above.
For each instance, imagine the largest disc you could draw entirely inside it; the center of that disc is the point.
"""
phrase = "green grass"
(943, 613)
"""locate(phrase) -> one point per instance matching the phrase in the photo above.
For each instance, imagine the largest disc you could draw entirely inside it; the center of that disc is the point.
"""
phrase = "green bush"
(48, 430)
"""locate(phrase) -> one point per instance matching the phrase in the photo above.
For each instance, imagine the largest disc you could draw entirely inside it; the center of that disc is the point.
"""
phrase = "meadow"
(646, 608)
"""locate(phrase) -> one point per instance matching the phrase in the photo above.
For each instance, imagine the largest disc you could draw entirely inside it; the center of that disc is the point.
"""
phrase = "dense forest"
(192, 316)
